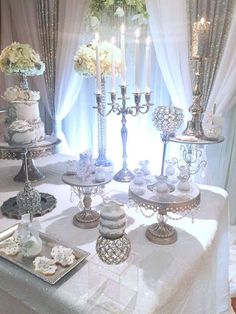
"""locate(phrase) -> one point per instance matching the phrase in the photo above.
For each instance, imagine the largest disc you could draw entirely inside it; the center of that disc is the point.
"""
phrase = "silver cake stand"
(85, 190)
(148, 200)
(49, 146)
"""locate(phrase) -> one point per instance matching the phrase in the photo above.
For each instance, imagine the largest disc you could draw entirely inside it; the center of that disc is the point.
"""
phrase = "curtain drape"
(221, 157)
(169, 29)
(219, 13)
(68, 82)
(47, 17)
(224, 92)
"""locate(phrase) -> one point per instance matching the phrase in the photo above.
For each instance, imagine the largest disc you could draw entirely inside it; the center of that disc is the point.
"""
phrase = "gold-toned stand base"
(161, 233)
(86, 219)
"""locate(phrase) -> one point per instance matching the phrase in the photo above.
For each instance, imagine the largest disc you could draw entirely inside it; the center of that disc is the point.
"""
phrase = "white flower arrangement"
(85, 59)
(16, 94)
(120, 9)
(21, 59)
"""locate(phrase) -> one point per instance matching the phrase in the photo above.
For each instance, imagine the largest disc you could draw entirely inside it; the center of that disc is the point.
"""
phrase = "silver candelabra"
(192, 157)
(124, 175)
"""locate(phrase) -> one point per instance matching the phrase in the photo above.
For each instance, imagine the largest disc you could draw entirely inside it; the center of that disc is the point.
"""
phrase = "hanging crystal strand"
(102, 159)
(23, 82)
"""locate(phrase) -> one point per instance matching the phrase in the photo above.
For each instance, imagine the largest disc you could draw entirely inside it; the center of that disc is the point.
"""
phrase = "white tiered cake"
(23, 123)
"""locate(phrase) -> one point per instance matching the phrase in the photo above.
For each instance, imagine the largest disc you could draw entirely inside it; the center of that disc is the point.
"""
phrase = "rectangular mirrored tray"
(48, 244)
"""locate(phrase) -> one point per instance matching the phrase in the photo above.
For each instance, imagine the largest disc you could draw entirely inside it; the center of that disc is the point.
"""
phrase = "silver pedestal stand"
(50, 145)
(85, 190)
(124, 175)
(157, 203)
(154, 198)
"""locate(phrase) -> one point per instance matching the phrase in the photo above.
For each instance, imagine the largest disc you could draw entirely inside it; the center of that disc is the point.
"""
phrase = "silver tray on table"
(48, 243)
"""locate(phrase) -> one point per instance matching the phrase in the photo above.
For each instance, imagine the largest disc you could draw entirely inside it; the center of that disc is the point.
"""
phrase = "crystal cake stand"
(49, 146)
(163, 203)
(85, 190)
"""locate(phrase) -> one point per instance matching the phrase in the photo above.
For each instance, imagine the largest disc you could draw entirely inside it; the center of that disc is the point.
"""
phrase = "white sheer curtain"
(169, 30)
(68, 82)
(222, 168)
(224, 92)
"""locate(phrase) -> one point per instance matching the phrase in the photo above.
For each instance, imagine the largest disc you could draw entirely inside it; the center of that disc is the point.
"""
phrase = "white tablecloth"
(189, 276)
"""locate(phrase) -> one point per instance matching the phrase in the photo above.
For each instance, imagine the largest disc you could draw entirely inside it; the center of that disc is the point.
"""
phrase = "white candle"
(98, 70)
(122, 47)
(113, 67)
(137, 61)
(200, 39)
(147, 66)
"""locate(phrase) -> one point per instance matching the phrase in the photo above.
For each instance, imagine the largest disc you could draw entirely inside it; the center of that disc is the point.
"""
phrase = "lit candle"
(147, 66)
(98, 70)
(113, 67)
(200, 39)
(122, 47)
(137, 61)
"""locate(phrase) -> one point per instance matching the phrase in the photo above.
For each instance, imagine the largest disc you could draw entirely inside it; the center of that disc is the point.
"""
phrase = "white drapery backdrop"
(169, 28)
(222, 169)
(168, 23)
(68, 82)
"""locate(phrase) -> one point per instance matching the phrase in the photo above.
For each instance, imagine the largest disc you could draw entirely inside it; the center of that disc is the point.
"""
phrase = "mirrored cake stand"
(85, 190)
(149, 201)
(50, 145)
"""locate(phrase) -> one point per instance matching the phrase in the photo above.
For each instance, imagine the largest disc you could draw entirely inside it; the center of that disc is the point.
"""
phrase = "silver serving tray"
(48, 243)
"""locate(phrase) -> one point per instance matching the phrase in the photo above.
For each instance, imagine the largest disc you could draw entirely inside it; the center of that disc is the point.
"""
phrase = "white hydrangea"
(85, 59)
(21, 59)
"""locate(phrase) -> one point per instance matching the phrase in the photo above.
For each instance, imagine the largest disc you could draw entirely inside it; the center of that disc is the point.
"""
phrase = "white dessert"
(23, 123)
(63, 255)
(112, 220)
(44, 265)
(10, 246)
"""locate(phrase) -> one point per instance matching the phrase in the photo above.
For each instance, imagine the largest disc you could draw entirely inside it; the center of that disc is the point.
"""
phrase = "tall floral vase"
(102, 130)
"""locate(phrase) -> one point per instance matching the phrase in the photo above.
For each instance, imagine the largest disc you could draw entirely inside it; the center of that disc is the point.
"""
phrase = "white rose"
(140, 18)
(11, 94)
(94, 22)
(119, 12)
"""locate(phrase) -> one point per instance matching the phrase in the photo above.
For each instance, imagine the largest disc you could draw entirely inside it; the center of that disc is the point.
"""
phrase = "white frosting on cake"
(23, 122)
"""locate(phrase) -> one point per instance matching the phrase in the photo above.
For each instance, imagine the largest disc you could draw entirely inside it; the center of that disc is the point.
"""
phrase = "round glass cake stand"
(148, 200)
(85, 190)
(50, 145)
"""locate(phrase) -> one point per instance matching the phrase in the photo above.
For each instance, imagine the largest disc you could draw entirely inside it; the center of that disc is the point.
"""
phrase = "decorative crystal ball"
(167, 119)
(113, 251)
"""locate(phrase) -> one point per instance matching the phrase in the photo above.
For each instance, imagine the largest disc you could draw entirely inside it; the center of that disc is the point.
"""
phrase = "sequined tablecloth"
(189, 276)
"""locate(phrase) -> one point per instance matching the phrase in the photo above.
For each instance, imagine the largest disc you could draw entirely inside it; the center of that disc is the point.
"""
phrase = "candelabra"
(192, 157)
(194, 126)
(194, 134)
(124, 175)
